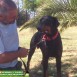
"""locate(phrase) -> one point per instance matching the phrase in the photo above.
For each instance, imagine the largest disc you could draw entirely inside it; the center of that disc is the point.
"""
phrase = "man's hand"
(10, 56)
(22, 52)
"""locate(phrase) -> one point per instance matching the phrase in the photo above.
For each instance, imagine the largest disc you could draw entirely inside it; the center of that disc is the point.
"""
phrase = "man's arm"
(10, 56)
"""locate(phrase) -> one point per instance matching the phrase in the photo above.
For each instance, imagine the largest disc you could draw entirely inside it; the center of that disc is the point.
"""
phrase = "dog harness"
(46, 38)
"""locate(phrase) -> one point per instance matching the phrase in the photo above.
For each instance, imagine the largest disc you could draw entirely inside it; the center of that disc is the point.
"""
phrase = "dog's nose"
(46, 31)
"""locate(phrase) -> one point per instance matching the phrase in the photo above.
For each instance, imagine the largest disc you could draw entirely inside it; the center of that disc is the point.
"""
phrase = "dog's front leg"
(31, 52)
(58, 65)
(45, 66)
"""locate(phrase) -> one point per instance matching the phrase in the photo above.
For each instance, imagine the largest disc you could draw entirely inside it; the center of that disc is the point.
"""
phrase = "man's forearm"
(8, 57)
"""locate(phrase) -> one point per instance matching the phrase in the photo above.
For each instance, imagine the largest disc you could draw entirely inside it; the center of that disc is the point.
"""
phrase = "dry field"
(69, 57)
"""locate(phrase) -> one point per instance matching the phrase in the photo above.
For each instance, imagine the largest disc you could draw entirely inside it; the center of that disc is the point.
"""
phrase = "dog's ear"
(55, 22)
(39, 27)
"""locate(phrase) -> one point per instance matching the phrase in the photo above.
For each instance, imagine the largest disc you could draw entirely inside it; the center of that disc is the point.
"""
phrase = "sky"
(20, 2)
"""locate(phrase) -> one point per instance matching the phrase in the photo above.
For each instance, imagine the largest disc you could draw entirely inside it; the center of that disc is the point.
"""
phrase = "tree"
(23, 17)
(64, 10)
(29, 5)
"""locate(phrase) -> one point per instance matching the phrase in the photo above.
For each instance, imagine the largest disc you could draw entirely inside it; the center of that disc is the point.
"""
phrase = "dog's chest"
(51, 47)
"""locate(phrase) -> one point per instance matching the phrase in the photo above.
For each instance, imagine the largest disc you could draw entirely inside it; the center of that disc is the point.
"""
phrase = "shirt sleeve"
(1, 47)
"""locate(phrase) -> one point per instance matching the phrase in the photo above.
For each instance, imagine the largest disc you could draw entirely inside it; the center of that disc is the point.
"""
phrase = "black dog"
(49, 41)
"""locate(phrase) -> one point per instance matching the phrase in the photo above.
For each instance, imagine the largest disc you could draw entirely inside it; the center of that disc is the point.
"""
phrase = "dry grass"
(69, 58)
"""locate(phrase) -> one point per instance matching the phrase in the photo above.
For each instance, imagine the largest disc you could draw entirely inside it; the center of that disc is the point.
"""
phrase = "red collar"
(46, 38)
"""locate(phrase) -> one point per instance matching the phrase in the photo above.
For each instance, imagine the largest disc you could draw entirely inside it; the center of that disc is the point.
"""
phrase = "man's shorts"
(17, 67)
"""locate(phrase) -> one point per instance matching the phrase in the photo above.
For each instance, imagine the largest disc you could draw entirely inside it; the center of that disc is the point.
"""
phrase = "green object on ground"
(27, 75)
(11, 73)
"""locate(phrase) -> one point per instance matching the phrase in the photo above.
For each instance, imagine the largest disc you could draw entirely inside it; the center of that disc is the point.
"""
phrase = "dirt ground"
(69, 57)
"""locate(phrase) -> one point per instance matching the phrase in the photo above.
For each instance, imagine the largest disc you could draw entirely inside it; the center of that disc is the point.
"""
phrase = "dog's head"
(48, 24)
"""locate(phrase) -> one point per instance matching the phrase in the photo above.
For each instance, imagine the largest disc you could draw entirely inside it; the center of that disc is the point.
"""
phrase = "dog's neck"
(55, 36)
(52, 37)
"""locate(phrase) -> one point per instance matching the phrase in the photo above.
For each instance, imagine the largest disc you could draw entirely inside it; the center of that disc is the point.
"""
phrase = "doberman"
(48, 39)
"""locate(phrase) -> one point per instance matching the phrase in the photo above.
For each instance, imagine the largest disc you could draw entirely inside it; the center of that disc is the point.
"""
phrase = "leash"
(29, 50)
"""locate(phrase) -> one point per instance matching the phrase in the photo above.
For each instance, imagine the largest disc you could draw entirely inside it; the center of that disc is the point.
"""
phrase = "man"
(9, 44)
